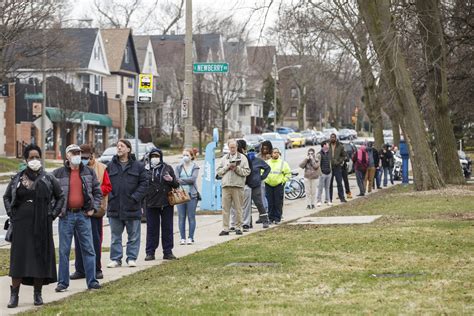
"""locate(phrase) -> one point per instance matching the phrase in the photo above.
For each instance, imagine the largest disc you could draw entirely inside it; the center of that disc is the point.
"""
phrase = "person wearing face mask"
(274, 185)
(33, 199)
(87, 158)
(82, 199)
(186, 173)
(310, 164)
(124, 209)
(159, 213)
(326, 173)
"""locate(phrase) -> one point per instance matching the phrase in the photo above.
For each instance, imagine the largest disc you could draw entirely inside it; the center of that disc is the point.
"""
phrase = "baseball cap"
(72, 147)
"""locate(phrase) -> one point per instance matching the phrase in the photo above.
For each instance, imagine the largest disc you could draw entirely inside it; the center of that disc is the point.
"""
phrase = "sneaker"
(224, 233)
(169, 256)
(266, 225)
(343, 201)
(330, 203)
(60, 288)
(245, 228)
(132, 263)
(361, 194)
(276, 222)
(95, 286)
(99, 275)
(182, 242)
(76, 276)
(114, 264)
(259, 221)
(318, 204)
(238, 232)
(190, 241)
(312, 206)
(150, 257)
(349, 195)
(232, 229)
(308, 207)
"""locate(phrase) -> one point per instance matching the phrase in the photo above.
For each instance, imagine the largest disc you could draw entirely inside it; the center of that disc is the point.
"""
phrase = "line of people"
(80, 194)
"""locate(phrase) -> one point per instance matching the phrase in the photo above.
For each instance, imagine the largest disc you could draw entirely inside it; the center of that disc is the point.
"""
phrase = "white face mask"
(76, 160)
(155, 161)
(186, 159)
(34, 164)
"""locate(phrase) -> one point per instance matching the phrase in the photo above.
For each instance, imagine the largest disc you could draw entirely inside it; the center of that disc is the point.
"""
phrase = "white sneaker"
(319, 204)
(329, 203)
(114, 264)
(132, 263)
(182, 242)
(190, 241)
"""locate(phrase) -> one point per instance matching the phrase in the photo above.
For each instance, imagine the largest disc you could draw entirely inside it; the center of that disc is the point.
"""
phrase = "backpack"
(363, 164)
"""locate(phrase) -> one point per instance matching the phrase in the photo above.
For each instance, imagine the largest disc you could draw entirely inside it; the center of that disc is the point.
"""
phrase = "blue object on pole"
(405, 156)
(211, 187)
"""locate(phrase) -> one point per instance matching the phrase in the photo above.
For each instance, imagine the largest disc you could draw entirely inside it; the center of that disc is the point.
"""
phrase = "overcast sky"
(241, 10)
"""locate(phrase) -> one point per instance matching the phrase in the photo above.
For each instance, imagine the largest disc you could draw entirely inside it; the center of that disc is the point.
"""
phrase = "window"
(97, 83)
(126, 55)
(86, 82)
(97, 52)
(294, 93)
(130, 82)
(293, 112)
(242, 109)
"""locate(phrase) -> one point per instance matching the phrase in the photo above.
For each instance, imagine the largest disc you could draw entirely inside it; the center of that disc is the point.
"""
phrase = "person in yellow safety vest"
(275, 184)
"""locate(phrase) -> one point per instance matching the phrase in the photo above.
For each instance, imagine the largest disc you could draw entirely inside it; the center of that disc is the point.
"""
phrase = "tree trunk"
(200, 142)
(222, 138)
(378, 20)
(431, 31)
(395, 130)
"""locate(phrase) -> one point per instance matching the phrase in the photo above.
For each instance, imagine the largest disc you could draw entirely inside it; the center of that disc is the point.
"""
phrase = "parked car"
(275, 136)
(310, 137)
(108, 154)
(297, 139)
(284, 130)
(345, 134)
(254, 140)
(320, 137)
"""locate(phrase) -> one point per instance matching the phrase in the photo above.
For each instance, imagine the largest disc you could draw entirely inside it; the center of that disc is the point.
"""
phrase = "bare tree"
(379, 22)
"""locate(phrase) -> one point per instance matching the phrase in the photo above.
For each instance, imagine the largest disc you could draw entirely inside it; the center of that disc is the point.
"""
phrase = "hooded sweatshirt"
(158, 188)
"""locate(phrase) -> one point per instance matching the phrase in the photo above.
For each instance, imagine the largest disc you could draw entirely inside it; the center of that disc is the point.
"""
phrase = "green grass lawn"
(5, 259)
(13, 164)
(422, 246)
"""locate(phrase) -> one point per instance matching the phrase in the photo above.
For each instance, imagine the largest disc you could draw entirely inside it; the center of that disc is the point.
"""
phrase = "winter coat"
(90, 187)
(57, 195)
(339, 155)
(236, 177)
(256, 176)
(324, 162)
(386, 158)
(280, 172)
(191, 180)
(311, 167)
(158, 188)
(129, 186)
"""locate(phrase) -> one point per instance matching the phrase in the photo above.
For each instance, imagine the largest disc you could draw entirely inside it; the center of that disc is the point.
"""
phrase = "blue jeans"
(189, 210)
(81, 224)
(133, 244)
(97, 235)
(385, 177)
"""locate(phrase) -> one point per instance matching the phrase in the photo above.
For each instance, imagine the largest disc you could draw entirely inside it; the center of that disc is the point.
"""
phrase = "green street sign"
(33, 96)
(200, 68)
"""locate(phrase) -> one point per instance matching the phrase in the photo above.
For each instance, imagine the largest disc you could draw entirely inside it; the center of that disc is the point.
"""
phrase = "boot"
(37, 298)
(13, 297)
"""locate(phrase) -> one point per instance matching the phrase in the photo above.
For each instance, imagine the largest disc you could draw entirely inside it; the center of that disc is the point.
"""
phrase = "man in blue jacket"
(129, 186)
(259, 172)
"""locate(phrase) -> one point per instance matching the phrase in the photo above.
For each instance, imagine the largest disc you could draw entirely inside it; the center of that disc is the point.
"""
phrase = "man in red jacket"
(87, 157)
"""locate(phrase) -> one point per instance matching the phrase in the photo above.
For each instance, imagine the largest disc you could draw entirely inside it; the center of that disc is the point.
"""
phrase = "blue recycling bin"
(404, 152)
(211, 192)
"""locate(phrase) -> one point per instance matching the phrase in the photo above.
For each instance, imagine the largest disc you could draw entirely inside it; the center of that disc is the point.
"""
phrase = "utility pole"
(275, 79)
(188, 77)
(135, 114)
(42, 137)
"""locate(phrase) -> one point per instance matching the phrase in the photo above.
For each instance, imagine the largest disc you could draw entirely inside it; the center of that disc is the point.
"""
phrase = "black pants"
(275, 201)
(345, 178)
(156, 218)
(337, 173)
(97, 236)
(258, 201)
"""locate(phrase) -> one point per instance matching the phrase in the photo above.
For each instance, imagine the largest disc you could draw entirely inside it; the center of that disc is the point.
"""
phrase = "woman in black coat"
(33, 199)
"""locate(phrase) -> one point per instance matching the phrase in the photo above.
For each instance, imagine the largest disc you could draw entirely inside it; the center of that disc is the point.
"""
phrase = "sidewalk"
(206, 235)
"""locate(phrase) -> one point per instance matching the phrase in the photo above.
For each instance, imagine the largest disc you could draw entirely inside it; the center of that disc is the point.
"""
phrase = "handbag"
(9, 228)
(178, 196)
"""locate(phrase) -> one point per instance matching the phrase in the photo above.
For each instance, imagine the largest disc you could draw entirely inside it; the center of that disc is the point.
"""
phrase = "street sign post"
(184, 108)
(34, 96)
(199, 68)
(145, 88)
